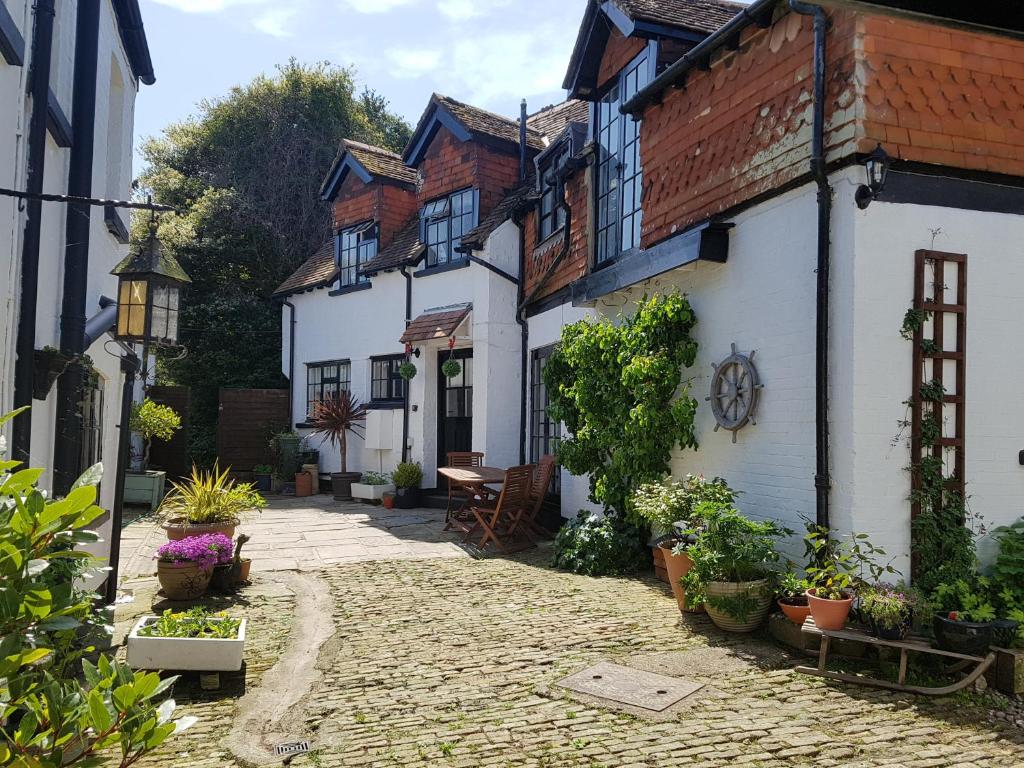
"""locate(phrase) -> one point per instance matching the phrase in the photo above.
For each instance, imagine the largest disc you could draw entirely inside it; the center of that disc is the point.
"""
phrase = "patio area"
(376, 638)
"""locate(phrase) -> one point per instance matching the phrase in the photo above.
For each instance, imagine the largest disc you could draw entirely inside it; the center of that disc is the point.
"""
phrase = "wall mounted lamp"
(877, 165)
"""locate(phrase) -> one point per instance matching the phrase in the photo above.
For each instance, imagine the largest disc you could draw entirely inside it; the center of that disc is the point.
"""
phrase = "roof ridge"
(510, 120)
(352, 143)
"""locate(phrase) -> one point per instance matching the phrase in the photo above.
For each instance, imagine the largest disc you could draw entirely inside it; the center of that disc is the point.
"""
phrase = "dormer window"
(552, 190)
(443, 222)
(355, 247)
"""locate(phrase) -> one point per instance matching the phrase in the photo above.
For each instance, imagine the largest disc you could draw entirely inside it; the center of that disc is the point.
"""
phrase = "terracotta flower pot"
(303, 484)
(828, 614)
(243, 574)
(177, 529)
(388, 500)
(757, 590)
(677, 566)
(182, 581)
(795, 612)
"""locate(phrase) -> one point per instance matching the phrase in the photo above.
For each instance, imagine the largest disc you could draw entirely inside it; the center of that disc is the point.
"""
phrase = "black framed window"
(551, 216)
(443, 222)
(355, 246)
(386, 385)
(92, 420)
(545, 432)
(326, 380)
(619, 173)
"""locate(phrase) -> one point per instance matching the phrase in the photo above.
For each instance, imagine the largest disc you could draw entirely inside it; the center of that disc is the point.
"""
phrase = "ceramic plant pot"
(677, 566)
(303, 484)
(828, 614)
(1004, 632)
(407, 498)
(388, 500)
(264, 482)
(968, 637)
(795, 612)
(177, 529)
(756, 590)
(182, 581)
(341, 484)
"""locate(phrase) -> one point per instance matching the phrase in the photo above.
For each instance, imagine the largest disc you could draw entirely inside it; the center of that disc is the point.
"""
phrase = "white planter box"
(371, 492)
(191, 654)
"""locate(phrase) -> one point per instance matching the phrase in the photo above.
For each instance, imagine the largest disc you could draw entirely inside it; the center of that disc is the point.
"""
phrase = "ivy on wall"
(619, 389)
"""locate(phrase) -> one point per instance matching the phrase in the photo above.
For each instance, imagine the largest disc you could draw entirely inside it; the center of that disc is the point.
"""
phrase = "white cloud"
(275, 21)
(207, 6)
(375, 6)
(491, 67)
(407, 63)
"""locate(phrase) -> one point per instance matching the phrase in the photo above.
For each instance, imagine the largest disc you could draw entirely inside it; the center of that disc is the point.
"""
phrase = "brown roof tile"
(380, 162)
(698, 15)
(478, 120)
(318, 271)
(404, 250)
(551, 120)
(475, 238)
(435, 325)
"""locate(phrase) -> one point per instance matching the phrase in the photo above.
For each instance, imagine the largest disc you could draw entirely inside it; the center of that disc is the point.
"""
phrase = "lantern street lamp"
(148, 294)
(877, 166)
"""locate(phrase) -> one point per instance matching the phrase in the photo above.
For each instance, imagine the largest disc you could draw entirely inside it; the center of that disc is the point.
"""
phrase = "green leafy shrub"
(666, 503)
(965, 600)
(193, 623)
(375, 478)
(407, 475)
(49, 718)
(150, 421)
(618, 387)
(593, 545)
(838, 568)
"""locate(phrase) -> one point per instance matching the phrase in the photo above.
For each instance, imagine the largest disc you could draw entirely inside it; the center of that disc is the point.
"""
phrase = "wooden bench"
(906, 646)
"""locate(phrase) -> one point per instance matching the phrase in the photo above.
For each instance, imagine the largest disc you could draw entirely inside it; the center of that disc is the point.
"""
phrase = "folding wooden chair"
(505, 516)
(463, 493)
(538, 493)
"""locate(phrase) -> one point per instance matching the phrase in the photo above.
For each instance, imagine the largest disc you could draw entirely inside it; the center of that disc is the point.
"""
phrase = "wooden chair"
(455, 490)
(542, 478)
(505, 517)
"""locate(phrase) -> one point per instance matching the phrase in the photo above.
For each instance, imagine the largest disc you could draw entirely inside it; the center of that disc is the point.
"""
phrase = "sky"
(490, 53)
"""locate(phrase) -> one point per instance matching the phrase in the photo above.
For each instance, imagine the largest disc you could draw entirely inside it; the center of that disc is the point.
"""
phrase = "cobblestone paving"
(450, 662)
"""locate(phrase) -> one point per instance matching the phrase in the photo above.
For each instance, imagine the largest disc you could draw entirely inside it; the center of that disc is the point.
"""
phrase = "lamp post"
(877, 165)
(148, 303)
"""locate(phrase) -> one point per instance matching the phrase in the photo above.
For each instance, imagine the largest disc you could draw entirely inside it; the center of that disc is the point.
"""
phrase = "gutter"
(405, 407)
(39, 89)
(524, 327)
(822, 481)
(758, 12)
(67, 448)
(133, 35)
(285, 302)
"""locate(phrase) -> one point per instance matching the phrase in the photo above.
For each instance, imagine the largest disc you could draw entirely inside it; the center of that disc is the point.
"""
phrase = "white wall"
(545, 330)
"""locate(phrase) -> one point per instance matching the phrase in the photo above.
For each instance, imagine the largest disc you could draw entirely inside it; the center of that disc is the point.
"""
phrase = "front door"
(454, 409)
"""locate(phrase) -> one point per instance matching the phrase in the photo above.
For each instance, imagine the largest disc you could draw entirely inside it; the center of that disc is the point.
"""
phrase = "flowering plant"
(207, 550)
(890, 607)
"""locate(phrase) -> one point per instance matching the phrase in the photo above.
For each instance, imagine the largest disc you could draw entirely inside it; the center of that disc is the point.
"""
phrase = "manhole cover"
(630, 686)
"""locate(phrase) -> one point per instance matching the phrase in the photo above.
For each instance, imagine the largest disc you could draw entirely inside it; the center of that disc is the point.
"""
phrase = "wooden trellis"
(940, 355)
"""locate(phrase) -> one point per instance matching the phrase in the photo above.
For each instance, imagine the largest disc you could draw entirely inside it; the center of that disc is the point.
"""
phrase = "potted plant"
(888, 610)
(263, 478)
(333, 418)
(286, 446)
(792, 593)
(388, 500)
(668, 506)
(194, 640)
(837, 569)
(407, 370)
(185, 566)
(732, 565)
(964, 617)
(407, 478)
(372, 486)
(207, 502)
(149, 421)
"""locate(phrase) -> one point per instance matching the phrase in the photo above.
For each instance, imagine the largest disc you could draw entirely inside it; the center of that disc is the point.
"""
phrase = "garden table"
(475, 480)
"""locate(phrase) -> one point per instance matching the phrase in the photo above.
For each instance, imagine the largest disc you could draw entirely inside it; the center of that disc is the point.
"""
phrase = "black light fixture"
(877, 166)
(149, 293)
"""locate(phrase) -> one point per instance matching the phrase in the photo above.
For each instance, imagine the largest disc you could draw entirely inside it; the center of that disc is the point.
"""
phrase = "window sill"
(616, 258)
(351, 289)
(427, 271)
(385, 405)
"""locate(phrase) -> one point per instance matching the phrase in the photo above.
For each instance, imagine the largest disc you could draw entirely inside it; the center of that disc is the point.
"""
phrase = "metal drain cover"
(630, 686)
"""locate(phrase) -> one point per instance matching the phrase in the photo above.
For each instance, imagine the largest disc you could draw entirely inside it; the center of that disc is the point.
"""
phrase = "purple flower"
(207, 550)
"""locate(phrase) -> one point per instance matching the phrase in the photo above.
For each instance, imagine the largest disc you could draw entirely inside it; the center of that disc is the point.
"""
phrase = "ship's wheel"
(734, 392)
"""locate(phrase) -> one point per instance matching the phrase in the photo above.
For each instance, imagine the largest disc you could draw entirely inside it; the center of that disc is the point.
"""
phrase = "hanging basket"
(407, 370)
(451, 368)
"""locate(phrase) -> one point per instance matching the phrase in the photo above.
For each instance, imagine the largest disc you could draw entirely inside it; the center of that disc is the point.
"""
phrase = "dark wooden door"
(454, 409)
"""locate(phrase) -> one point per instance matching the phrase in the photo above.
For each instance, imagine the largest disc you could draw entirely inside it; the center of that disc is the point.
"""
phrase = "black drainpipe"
(524, 327)
(39, 89)
(130, 365)
(291, 362)
(67, 449)
(405, 408)
(822, 481)
(522, 140)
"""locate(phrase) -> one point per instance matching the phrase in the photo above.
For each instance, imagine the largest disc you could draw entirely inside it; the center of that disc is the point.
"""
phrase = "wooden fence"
(247, 419)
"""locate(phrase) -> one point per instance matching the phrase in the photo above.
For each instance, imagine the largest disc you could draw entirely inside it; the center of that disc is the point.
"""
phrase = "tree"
(618, 388)
(245, 174)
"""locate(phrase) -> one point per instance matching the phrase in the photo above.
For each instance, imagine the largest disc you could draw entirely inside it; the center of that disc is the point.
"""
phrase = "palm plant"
(334, 417)
(210, 497)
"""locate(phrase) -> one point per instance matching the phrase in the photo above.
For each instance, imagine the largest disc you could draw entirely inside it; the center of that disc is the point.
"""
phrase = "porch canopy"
(436, 324)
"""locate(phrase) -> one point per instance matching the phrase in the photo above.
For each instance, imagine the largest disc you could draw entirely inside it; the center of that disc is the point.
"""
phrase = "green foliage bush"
(619, 390)
(593, 545)
(407, 475)
(48, 717)
(150, 421)
(669, 502)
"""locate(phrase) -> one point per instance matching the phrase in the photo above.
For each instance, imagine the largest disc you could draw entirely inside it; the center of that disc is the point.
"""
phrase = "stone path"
(451, 661)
